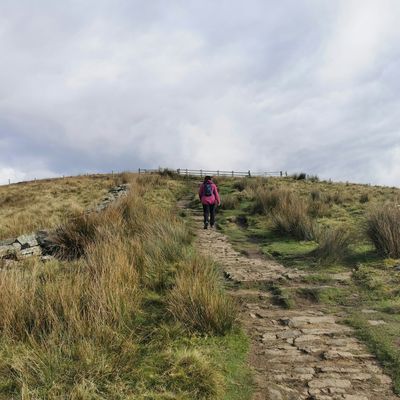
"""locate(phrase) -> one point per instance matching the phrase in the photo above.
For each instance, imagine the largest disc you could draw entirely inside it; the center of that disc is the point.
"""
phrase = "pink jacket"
(214, 198)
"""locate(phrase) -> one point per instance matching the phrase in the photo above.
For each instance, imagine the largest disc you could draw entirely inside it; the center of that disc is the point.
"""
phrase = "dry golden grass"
(198, 299)
(29, 206)
(84, 328)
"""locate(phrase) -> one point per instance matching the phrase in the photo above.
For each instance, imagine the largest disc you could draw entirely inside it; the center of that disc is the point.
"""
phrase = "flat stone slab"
(297, 354)
(329, 383)
(31, 252)
(376, 322)
(27, 241)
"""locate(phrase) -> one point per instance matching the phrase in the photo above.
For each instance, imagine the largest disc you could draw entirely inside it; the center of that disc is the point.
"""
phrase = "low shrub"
(333, 244)
(198, 299)
(383, 228)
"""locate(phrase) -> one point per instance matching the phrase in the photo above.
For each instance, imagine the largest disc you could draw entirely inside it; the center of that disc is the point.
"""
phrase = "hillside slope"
(115, 317)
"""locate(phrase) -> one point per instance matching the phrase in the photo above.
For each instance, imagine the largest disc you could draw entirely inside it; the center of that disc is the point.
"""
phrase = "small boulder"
(27, 241)
(9, 252)
(43, 238)
(31, 252)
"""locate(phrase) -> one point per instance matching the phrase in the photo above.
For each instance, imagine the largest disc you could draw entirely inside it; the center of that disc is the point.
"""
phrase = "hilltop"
(137, 302)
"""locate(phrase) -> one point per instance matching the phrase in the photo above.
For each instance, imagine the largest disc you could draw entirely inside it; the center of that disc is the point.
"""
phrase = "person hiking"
(209, 197)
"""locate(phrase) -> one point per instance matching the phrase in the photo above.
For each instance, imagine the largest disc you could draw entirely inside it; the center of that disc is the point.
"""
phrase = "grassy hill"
(346, 237)
(139, 315)
(25, 207)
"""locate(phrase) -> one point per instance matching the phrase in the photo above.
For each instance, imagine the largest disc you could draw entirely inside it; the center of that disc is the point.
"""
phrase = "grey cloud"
(104, 85)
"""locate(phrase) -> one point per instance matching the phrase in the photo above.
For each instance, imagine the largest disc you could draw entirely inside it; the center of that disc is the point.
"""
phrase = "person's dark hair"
(207, 178)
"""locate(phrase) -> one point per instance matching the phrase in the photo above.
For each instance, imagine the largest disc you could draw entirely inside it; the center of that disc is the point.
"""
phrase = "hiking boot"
(205, 226)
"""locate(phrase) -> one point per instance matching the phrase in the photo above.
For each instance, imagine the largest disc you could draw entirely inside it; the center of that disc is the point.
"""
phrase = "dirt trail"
(301, 353)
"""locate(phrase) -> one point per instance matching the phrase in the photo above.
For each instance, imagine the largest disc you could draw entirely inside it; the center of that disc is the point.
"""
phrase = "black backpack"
(208, 189)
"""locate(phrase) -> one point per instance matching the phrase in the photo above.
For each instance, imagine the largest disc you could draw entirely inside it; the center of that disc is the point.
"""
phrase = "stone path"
(299, 353)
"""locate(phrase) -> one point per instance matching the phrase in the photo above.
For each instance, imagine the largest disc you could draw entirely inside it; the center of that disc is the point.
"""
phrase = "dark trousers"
(209, 213)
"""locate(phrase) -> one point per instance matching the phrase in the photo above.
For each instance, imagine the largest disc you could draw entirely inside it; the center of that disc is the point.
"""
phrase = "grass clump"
(198, 300)
(383, 228)
(240, 184)
(333, 244)
(189, 366)
(291, 218)
(266, 200)
(229, 201)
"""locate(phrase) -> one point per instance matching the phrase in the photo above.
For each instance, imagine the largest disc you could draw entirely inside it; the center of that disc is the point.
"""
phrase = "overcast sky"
(296, 85)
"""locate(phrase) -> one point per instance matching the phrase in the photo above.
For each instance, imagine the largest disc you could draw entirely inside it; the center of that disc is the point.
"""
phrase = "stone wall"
(38, 243)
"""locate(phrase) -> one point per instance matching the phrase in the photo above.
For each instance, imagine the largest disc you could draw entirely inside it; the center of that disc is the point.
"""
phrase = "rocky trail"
(298, 353)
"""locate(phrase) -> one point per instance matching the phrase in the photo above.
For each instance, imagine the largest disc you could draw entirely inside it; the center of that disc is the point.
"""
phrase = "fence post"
(281, 173)
(178, 171)
(9, 181)
(186, 172)
(249, 174)
(232, 174)
(285, 173)
(218, 173)
(139, 171)
(201, 173)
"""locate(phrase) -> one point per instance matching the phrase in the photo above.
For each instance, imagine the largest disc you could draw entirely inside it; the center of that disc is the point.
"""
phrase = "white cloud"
(308, 85)
(363, 32)
(10, 175)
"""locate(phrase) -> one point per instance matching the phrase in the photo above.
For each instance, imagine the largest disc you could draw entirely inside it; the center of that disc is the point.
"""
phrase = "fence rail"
(179, 171)
(205, 172)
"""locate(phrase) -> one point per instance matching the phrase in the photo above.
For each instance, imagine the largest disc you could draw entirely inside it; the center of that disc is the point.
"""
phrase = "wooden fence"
(205, 172)
(179, 171)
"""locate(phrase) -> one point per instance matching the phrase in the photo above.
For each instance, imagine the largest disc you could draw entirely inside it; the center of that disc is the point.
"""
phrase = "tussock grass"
(198, 300)
(333, 244)
(383, 228)
(229, 202)
(96, 325)
(268, 199)
(288, 212)
(291, 217)
(190, 366)
(240, 184)
(317, 208)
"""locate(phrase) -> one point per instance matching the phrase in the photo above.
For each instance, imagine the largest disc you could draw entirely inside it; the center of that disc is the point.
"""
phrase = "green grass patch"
(382, 340)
